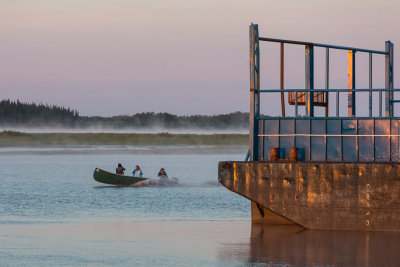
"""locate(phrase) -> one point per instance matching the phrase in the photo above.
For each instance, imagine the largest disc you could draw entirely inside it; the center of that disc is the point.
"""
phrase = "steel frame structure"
(309, 90)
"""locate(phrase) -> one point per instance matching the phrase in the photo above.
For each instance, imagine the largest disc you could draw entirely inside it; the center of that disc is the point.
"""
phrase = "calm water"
(52, 212)
(49, 187)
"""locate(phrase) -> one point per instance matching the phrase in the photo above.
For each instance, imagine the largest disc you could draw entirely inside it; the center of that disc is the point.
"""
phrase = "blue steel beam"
(389, 78)
(351, 83)
(322, 118)
(327, 82)
(370, 85)
(309, 62)
(254, 90)
(327, 90)
(322, 45)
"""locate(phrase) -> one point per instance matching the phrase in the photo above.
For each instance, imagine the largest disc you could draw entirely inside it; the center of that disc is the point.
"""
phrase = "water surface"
(52, 212)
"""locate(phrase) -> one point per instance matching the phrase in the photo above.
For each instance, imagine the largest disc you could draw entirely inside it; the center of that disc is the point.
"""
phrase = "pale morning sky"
(109, 57)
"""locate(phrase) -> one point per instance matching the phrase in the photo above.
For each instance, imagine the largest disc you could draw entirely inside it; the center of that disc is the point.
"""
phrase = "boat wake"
(158, 182)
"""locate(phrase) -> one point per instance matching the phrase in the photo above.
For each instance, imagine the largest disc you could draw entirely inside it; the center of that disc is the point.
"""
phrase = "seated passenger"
(162, 173)
(120, 169)
(137, 172)
(162, 177)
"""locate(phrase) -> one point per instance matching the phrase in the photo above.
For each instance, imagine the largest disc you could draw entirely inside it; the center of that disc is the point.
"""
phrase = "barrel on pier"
(294, 154)
(274, 154)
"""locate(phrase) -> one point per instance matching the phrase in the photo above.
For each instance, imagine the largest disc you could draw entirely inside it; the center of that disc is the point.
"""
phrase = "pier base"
(319, 195)
(260, 214)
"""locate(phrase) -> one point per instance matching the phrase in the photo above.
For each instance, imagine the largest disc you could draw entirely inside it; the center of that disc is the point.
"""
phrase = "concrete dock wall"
(330, 196)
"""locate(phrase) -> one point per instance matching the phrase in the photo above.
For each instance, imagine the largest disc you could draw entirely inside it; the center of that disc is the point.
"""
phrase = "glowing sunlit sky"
(105, 57)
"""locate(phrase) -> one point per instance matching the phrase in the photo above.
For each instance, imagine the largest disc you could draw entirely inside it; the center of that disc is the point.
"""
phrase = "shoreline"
(21, 139)
(119, 149)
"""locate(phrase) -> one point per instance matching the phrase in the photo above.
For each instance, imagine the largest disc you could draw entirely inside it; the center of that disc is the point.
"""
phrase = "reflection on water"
(284, 245)
(127, 242)
(119, 242)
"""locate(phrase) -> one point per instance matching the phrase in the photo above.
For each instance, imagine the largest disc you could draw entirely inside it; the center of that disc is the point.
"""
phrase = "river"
(52, 213)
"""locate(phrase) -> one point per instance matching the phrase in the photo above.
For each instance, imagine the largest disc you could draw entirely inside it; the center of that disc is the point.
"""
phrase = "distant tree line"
(31, 114)
(236, 120)
(16, 113)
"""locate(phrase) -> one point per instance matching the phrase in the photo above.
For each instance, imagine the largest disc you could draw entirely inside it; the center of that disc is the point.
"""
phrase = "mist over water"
(152, 130)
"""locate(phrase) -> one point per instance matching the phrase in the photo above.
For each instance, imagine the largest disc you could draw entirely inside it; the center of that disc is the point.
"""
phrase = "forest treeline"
(31, 114)
(18, 114)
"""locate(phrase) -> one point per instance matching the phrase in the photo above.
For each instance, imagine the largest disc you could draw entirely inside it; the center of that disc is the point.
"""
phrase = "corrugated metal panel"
(270, 127)
(286, 127)
(320, 148)
(303, 142)
(334, 143)
(366, 144)
(382, 144)
(350, 148)
(318, 144)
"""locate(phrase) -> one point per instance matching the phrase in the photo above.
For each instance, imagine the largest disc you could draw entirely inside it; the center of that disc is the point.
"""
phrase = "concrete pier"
(317, 171)
(319, 195)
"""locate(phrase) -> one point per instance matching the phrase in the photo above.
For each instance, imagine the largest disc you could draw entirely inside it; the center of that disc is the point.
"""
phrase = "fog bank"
(153, 130)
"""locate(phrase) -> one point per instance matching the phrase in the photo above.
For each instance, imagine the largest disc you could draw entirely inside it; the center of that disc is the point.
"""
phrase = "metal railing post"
(351, 84)
(309, 53)
(254, 90)
(327, 82)
(370, 85)
(283, 79)
(389, 78)
(380, 103)
(337, 103)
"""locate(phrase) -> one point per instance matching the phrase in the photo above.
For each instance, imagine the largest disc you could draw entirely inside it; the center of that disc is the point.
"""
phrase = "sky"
(123, 57)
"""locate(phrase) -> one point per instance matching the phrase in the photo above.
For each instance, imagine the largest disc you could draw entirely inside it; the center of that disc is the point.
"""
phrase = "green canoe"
(106, 177)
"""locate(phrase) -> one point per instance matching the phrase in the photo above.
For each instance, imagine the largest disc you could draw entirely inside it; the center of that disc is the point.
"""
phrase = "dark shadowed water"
(52, 213)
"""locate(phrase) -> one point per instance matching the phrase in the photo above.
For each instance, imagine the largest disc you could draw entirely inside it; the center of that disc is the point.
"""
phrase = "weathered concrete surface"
(329, 196)
(261, 215)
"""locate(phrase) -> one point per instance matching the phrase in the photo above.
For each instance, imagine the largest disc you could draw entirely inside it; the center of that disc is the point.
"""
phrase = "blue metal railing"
(337, 93)
(323, 45)
(310, 97)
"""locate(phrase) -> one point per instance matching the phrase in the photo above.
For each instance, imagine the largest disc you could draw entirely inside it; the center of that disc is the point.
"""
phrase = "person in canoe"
(162, 172)
(120, 169)
(162, 176)
(137, 172)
